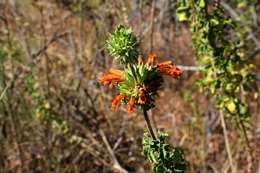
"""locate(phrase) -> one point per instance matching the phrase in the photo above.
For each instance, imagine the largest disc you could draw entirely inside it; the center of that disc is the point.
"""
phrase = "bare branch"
(116, 164)
(4, 91)
(190, 68)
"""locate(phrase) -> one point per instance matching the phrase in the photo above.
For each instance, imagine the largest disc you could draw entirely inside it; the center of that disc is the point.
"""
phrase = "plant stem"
(152, 25)
(227, 142)
(250, 151)
(148, 123)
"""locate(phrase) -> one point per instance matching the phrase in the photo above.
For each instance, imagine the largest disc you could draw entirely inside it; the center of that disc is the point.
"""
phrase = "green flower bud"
(123, 45)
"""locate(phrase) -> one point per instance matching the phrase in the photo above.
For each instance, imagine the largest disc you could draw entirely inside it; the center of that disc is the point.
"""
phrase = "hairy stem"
(149, 125)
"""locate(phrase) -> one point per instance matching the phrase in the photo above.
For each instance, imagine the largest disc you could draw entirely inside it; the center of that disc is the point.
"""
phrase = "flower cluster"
(139, 82)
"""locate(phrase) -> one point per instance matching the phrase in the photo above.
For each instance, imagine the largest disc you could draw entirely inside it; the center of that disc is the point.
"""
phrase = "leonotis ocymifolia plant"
(138, 83)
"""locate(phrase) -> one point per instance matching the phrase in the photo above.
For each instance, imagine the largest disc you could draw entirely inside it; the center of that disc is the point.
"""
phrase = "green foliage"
(244, 3)
(163, 157)
(77, 6)
(227, 72)
(11, 51)
(41, 108)
(123, 45)
(183, 12)
(40, 105)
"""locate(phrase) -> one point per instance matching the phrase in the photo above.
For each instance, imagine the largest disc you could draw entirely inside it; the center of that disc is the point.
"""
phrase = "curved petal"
(116, 100)
(130, 105)
(112, 76)
(151, 58)
(168, 68)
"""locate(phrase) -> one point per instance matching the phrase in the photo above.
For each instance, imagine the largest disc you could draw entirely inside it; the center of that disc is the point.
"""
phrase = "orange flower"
(130, 105)
(116, 100)
(151, 58)
(141, 98)
(115, 71)
(139, 60)
(168, 68)
(113, 75)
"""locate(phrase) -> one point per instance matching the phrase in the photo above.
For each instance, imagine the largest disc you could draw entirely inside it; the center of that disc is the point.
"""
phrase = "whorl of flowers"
(139, 82)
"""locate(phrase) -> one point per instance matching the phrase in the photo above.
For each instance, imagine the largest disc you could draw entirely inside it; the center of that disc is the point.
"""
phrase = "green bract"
(123, 45)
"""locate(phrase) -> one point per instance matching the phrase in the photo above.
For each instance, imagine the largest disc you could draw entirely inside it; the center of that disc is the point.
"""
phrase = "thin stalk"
(152, 25)
(245, 135)
(233, 170)
(250, 151)
(149, 125)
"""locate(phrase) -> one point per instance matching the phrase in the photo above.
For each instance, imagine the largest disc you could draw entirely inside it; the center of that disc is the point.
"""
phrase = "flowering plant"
(138, 84)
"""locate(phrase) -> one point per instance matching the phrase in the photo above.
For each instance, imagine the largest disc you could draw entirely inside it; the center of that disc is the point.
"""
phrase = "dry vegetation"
(62, 44)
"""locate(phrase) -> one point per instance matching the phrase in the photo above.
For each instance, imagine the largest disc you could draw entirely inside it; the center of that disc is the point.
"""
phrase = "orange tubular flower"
(130, 105)
(139, 60)
(151, 58)
(116, 100)
(168, 68)
(113, 75)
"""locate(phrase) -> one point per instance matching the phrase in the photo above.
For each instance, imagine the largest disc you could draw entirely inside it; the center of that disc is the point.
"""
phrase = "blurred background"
(56, 117)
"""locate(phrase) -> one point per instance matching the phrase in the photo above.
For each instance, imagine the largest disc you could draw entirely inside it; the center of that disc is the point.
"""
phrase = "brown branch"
(4, 91)
(223, 124)
(152, 25)
(116, 164)
(48, 43)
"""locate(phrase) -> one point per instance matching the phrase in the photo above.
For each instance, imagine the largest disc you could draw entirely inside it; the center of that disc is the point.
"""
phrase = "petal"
(116, 100)
(130, 105)
(115, 72)
(168, 68)
(151, 58)
(140, 60)
(165, 63)
(113, 75)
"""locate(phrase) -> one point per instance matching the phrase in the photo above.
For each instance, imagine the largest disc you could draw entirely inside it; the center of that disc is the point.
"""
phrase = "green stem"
(246, 137)
(148, 123)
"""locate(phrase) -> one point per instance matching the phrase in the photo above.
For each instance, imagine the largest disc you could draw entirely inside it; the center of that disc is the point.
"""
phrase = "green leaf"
(231, 106)
(202, 4)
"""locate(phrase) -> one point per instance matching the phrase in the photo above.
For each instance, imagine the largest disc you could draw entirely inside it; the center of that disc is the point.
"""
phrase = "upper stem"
(148, 123)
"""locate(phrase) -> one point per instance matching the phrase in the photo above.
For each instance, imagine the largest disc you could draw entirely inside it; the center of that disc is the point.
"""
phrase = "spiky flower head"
(123, 45)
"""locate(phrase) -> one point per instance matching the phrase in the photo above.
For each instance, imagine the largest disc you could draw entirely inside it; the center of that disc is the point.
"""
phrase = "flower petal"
(115, 72)
(151, 58)
(168, 68)
(130, 105)
(140, 60)
(116, 100)
(113, 75)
